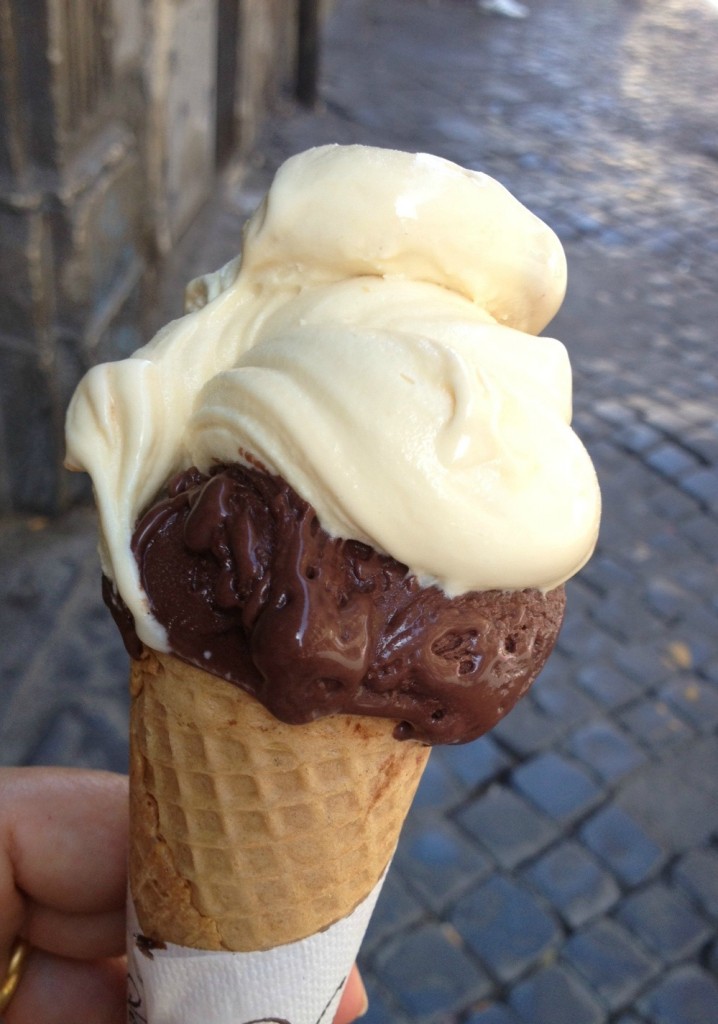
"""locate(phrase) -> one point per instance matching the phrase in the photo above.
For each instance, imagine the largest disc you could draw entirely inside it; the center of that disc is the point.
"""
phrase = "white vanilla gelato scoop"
(375, 345)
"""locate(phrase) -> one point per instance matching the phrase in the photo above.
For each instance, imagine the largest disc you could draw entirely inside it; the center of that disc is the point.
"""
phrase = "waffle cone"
(247, 833)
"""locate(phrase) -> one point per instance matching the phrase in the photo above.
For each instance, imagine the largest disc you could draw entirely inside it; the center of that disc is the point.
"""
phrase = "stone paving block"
(654, 723)
(623, 617)
(573, 881)
(438, 789)
(694, 700)
(506, 927)
(585, 423)
(674, 798)
(620, 842)
(711, 958)
(691, 574)
(112, 672)
(665, 922)
(672, 460)
(27, 722)
(640, 399)
(697, 873)
(580, 636)
(505, 825)
(699, 410)
(66, 671)
(638, 437)
(610, 687)
(396, 908)
(702, 531)
(674, 504)
(658, 543)
(556, 694)
(666, 597)
(382, 1009)
(607, 574)
(710, 671)
(665, 540)
(687, 995)
(696, 631)
(644, 663)
(99, 631)
(40, 559)
(615, 413)
(494, 1014)
(557, 786)
(555, 995)
(438, 862)
(526, 729)
(474, 764)
(703, 485)
(579, 595)
(606, 457)
(703, 442)
(606, 749)
(611, 961)
(429, 975)
(37, 578)
(80, 738)
(666, 417)
(72, 662)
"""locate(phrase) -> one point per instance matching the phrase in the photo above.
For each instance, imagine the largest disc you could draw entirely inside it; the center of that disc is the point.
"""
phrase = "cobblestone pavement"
(563, 870)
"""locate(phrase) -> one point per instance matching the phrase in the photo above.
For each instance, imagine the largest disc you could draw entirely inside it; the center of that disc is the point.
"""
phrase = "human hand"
(63, 877)
(63, 881)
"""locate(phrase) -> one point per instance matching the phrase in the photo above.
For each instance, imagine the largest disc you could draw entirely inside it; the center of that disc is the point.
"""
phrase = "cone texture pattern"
(247, 833)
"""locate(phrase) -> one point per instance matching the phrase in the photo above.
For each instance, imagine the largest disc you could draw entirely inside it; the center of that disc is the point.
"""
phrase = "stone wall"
(115, 117)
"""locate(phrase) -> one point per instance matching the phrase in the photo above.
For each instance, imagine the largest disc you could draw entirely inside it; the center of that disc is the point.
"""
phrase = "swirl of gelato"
(375, 346)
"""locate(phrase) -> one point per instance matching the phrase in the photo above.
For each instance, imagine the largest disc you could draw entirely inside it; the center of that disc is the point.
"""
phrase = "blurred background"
(564, 869)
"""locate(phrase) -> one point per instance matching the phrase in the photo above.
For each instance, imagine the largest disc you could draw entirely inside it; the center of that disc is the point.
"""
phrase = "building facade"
(115, 118)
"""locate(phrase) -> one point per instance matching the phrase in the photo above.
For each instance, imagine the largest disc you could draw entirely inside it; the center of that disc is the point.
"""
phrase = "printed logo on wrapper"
(299, 983)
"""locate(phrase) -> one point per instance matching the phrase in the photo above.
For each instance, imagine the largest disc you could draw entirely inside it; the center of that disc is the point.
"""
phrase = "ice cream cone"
(248, 833)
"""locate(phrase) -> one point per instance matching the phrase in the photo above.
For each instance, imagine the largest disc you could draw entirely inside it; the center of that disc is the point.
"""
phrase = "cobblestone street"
(563, 869)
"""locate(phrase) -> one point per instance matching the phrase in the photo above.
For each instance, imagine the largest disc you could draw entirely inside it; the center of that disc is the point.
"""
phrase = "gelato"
(338, 501)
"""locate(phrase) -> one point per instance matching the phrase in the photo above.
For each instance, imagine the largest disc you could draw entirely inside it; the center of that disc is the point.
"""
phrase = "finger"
(58, 991)
(354, 1002)
(64, 833)
(86, 936)
(12, 912)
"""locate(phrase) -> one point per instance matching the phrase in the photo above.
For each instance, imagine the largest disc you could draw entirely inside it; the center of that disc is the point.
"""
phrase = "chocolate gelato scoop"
(249, 587)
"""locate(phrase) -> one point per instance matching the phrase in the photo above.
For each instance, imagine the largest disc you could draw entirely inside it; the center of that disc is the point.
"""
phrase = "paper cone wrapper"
(249, 837)
(300, 983)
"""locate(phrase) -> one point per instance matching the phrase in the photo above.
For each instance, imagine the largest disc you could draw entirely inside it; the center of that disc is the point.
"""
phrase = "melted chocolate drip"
(249, 587)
